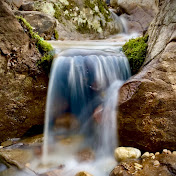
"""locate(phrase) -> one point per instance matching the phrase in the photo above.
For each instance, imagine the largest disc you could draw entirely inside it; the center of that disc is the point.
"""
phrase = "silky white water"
(82, 81)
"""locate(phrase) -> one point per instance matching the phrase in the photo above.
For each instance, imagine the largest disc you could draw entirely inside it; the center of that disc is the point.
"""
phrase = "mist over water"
(81, 109)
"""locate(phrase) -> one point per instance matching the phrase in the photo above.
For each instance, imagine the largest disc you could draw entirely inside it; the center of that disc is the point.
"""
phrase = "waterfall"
(81, 81)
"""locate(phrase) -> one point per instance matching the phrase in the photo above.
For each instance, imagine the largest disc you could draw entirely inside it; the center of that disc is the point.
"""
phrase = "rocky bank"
(22, 85)
(147, 106)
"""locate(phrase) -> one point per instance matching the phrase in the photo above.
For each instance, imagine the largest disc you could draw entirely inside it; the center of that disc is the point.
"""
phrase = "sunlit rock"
(124, 153)
(147, 105)
(83, 173)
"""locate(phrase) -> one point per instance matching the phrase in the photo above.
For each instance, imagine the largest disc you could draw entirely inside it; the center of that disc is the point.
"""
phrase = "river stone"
(83, 173)
(22, 84)
(124, 153)
(147, 105)
(162, 164)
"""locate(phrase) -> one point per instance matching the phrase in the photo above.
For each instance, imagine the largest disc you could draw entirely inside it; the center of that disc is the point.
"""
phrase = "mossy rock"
(135, 50)
(43, 46)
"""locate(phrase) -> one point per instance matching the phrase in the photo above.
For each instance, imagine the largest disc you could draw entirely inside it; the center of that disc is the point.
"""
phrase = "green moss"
(43, 46)
(84, 28)
(135, 50)
(56, 34)
(58, 12)
(89, 4)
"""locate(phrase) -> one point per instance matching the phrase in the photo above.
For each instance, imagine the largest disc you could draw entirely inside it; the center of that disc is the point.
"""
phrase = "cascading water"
(82, 82)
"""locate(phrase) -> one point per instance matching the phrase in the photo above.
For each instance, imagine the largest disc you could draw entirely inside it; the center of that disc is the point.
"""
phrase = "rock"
(43, 24)
(79, 20)
(138, 14)
(83, 173)
(17, 157)
(129, 6)
(85, 155)
(17, 3)
(66, 121)
(22, 84)
(6, 143)
(164, 164)
(29, 6)
(147, 105)
(124, 153)
(14, 4)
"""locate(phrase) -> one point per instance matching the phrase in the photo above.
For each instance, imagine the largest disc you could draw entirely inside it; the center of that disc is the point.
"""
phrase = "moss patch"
(135, 50)
(43, 46)
(56, 35)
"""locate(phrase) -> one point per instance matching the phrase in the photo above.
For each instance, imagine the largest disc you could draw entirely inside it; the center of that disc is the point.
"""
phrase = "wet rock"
(43, 24)
(147, 105)
(83, 173)
(125, 153)
(66, 121)
(17, 157)
(37, 139)
(22, 84)
(163, 164)
(85, 155)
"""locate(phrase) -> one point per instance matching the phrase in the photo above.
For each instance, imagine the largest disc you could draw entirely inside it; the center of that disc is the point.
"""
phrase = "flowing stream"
(81, 108)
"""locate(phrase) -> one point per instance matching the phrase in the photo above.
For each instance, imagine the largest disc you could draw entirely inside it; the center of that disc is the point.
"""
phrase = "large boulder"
(138, 14)
(22, 84)
(147, 106)
(42, 23)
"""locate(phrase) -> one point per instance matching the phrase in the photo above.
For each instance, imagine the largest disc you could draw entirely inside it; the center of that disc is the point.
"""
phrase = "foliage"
(58, 13)
(135, 50)
(56, 35)
(43, 46)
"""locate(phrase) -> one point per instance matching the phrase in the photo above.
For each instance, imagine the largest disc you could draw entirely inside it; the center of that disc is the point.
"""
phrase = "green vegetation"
(135, 50)
(102, 8)
(43, 46)
(58, 13)
(56, 35)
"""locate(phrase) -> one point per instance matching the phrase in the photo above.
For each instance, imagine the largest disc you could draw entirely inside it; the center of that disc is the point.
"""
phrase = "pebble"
(157, 153)
(145, 155)
(83, 173)
(167, 151)
(174, 152)
(153, 157)
(137, 166)
(151, 154)
(124, 153)
(156, 163)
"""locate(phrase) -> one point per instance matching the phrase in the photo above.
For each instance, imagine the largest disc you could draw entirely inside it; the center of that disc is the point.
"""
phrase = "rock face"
(147, 107)
(78, 20)
(138, 14)
(22, 84)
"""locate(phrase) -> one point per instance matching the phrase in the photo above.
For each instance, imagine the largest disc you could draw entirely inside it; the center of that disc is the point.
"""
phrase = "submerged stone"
(83, 173)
